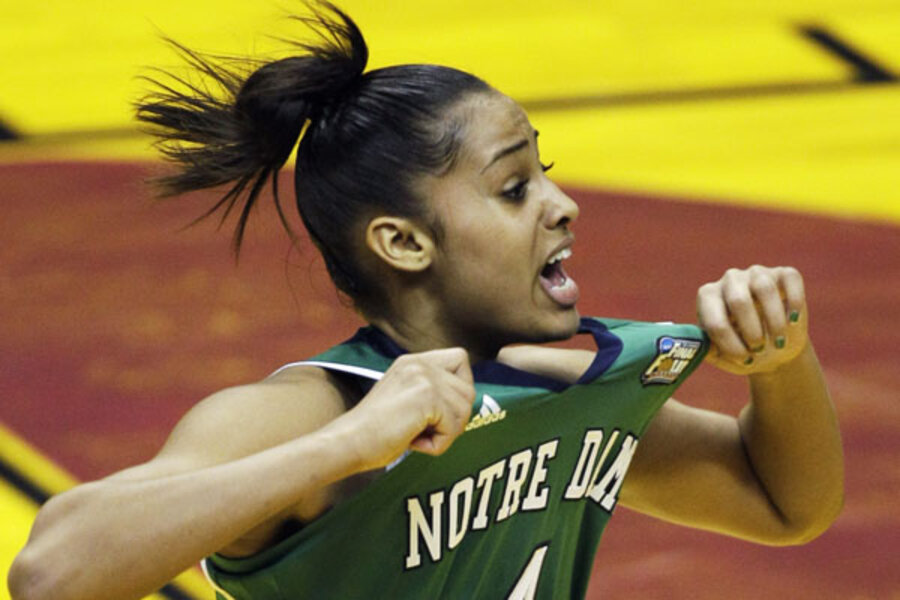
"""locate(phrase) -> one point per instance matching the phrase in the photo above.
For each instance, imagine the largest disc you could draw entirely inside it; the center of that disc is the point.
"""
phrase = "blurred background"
(695, 136)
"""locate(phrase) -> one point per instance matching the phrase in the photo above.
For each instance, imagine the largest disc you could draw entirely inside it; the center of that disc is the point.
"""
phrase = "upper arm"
(690, 468)
(559, 363)
(243, 420)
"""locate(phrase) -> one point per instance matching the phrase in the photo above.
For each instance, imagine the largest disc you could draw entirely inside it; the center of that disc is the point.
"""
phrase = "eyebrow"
(509, 150)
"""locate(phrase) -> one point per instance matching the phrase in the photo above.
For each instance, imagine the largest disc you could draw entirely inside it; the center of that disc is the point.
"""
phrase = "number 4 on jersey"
(526, 587)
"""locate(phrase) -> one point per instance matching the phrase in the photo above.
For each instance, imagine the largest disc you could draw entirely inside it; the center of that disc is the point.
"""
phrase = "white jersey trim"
(205, 568)
(353, 370)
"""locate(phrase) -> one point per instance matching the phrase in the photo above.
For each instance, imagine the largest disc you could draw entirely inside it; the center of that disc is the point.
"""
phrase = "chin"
(571, 322)
(561, 326)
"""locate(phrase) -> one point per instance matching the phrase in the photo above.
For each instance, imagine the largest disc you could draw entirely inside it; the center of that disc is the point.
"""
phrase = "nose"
(561, 210)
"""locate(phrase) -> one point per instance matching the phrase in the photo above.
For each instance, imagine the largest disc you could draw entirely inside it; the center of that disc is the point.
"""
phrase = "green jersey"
(513, 509)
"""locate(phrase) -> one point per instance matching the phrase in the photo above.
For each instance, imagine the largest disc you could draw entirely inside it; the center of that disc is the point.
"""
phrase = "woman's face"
(505, 228)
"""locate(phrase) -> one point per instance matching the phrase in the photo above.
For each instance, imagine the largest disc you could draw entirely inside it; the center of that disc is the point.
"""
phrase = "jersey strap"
(370, 352)
(333, 366)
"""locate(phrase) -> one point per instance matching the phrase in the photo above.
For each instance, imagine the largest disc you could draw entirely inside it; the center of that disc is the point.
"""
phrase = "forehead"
(492, 121)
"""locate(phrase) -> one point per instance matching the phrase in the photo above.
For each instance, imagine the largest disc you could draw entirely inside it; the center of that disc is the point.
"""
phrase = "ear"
(400, 243)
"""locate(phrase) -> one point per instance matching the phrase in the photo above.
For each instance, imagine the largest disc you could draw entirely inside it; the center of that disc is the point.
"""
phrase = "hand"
(422, 403)
(756, 318)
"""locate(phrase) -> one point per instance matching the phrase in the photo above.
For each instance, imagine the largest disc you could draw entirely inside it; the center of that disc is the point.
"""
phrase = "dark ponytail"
(243, 129)
(364, 137)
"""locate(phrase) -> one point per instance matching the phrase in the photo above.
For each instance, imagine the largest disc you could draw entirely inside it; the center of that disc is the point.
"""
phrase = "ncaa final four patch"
(673, 355)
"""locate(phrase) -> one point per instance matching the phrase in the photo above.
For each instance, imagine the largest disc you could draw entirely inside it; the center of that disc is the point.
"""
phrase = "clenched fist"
(422, 403)
(756, 318)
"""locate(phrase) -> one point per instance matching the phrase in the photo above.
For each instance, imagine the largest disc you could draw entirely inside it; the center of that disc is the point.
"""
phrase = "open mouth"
(556, 282)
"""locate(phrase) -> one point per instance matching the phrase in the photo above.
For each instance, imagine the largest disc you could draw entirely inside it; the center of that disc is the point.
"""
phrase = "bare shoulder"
(560, 363)
(242, 420)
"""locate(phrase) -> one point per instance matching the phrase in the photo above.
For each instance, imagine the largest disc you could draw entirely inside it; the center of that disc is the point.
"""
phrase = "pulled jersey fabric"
(516, 506)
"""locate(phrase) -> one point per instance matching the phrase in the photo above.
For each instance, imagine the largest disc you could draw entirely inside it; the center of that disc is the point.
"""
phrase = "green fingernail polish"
(759, 348)
(779, 342)
(749, 360)
(795, 316)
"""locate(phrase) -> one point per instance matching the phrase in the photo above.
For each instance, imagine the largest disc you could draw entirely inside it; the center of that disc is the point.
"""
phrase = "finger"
(456, 392)
(791, 283)
(767, 297)
(427, 442)
(433, 444)
(463, 370)
(455, 409)
(452, 360)
(742, 310)
(437, 437)
(715, 320)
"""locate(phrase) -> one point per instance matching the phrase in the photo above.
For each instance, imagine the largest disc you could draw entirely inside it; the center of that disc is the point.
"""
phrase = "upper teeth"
(561, 255)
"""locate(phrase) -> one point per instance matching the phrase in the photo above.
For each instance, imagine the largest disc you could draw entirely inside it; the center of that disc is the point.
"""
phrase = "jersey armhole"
(332, 366)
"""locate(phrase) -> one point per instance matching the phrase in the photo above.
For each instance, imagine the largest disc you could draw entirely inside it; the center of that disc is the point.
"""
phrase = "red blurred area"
(115, 321)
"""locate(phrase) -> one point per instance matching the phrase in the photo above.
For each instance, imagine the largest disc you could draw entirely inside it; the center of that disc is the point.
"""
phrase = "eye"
(516, 192)
(520, 189)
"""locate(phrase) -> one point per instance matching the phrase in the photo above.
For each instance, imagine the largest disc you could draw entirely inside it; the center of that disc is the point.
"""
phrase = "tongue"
(558, 286)
(555, 274)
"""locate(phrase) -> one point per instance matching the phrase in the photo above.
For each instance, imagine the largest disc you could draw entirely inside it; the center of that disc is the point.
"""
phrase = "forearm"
(791, 438)
(125, 538)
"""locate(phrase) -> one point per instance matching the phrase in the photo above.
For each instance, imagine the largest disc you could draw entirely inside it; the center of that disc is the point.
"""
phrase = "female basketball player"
(423, 188)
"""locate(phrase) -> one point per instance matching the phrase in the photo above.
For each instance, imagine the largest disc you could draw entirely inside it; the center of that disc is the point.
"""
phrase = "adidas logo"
(490, 412)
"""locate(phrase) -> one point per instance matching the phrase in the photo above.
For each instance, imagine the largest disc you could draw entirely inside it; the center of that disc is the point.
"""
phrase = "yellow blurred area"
(17, 513)
(72, 74)
(836, 153)
(76, 64)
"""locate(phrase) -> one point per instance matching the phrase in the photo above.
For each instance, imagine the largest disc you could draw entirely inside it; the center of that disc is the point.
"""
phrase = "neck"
(416, 339)
(420, 326)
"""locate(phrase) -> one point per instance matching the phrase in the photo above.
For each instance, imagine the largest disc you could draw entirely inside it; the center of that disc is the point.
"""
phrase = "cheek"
(485, 252)
(487, 248)
(498, 280)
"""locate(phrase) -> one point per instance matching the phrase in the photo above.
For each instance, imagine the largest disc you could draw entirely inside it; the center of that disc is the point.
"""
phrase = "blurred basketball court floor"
(695, 137)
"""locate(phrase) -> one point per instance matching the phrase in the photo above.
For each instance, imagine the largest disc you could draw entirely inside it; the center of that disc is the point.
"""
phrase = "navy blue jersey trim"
(609, 347)
(379, 341)
(491, 371)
